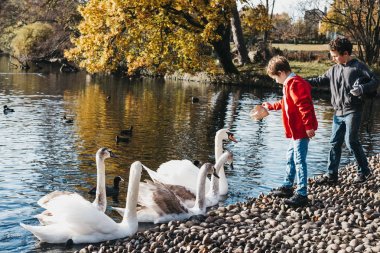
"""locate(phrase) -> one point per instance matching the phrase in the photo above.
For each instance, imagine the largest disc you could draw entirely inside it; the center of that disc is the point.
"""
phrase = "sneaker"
(328, 179)
(361, 177)
(297, 201)
(283, 192)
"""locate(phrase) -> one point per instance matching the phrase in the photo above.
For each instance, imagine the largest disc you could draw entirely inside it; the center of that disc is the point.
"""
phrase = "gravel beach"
(340, 218)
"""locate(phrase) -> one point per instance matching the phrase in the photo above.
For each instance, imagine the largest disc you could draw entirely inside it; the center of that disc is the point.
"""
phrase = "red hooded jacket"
(298, 113)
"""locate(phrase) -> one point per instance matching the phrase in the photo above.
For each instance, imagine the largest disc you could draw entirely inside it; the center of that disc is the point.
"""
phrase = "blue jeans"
(296, 165)
(346, 128)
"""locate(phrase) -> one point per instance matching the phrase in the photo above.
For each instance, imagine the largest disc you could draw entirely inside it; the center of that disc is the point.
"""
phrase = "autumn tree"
(360, 20)
(282, 27)
(255, 20)
(238, 37)
(157, 36)
(61, 16)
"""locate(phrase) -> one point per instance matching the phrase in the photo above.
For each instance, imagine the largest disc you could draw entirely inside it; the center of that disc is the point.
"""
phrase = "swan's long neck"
(223, 185)
(200, 199)
(218, 146)
(130, 214)
(214, 180)
(101, 198)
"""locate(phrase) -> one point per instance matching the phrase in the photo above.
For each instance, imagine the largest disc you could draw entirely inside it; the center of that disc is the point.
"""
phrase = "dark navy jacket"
(341, 79)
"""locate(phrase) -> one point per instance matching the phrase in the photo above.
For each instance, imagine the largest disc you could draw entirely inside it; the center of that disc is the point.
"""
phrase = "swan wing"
(54, 233)
(160, 199)
(184, 194)
(80, 215)
(145, 214)
(180, 172)
(48, 197)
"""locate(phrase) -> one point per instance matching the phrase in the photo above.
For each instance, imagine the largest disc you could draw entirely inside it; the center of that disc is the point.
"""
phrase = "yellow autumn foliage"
(29, 40)
(156, 35)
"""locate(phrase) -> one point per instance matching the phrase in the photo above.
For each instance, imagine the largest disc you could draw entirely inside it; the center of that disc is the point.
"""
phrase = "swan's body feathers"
(70, 217)
(45, 199)
(160, 199)
(184, 194)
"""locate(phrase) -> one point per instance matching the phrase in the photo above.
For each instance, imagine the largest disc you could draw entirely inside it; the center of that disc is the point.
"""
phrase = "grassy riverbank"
(340, 218)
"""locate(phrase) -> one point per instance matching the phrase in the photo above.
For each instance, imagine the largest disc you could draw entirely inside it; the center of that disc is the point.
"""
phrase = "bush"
(30, 41)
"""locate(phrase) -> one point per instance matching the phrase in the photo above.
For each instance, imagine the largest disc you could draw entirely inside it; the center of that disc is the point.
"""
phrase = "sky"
(290, 6)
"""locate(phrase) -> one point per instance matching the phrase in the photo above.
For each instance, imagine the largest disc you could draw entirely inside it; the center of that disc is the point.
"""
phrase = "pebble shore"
(340, 218)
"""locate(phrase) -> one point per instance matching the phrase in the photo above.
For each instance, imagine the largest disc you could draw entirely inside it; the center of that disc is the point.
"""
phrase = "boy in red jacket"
(300, 123)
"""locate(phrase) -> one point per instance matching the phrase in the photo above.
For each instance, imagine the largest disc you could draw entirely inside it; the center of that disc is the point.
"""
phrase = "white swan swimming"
(184, 172)
(81, 222)
(160, 204)
(185, 195)
(100, 200)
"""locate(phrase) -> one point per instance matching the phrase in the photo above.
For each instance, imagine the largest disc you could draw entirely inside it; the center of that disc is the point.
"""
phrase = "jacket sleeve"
(373, 82)
(277, 105)
(321, 81)
(300, 94)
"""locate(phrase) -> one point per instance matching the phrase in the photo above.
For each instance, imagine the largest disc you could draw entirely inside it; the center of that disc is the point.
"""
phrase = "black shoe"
(283, 192)
(327, 179)
(297, 201)
(362, 177)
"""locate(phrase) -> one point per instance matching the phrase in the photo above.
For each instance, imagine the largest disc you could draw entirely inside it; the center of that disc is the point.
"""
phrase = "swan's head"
(225, 134)
(104, 153)
(210, 168)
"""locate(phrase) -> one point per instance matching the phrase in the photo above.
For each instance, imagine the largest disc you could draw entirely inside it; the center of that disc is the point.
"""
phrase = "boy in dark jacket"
(300, 123)
(349, 80)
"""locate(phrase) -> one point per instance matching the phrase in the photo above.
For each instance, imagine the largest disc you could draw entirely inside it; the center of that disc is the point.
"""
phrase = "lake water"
(39, 153)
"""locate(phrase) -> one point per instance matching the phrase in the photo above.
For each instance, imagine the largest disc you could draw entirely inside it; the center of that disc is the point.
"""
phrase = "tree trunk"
(223, 51)
(237, 34)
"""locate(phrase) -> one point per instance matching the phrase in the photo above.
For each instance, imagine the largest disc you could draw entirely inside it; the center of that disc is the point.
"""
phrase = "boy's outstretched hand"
(310, 133)
(267, 105)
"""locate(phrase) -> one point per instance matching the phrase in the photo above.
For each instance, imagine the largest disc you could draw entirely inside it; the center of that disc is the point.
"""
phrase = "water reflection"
(40, 153)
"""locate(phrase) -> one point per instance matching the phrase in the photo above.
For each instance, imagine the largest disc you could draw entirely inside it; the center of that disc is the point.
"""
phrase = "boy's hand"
(267, 105)
(357, 90)
(310, 133)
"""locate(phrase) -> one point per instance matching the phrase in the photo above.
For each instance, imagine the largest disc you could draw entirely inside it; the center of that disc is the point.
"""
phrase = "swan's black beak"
(231, 137)
(214, 172)
(112, 154)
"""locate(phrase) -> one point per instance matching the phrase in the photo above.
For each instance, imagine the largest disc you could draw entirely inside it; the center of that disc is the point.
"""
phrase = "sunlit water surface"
(39, 153)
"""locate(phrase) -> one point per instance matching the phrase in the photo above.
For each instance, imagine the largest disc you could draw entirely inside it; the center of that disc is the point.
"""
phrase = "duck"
(81, 222)
(160, 204)
(126, 131)
(121, 139)
(110, 191)
(100, 201)
(67, 120)
(184, 172)
(188, 196)
(7, 109)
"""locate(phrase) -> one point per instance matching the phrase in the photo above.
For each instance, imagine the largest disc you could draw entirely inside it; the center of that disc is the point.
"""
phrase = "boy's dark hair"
(276, 64)
(341, 45)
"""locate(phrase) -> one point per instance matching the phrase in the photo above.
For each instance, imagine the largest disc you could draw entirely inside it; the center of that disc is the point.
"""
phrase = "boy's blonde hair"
(276, 64)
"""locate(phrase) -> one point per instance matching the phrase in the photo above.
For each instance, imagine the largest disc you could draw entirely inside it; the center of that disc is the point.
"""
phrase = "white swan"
(100, 201)
(81, 222)
(184, 172)
(187, 195)
(160, 204)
